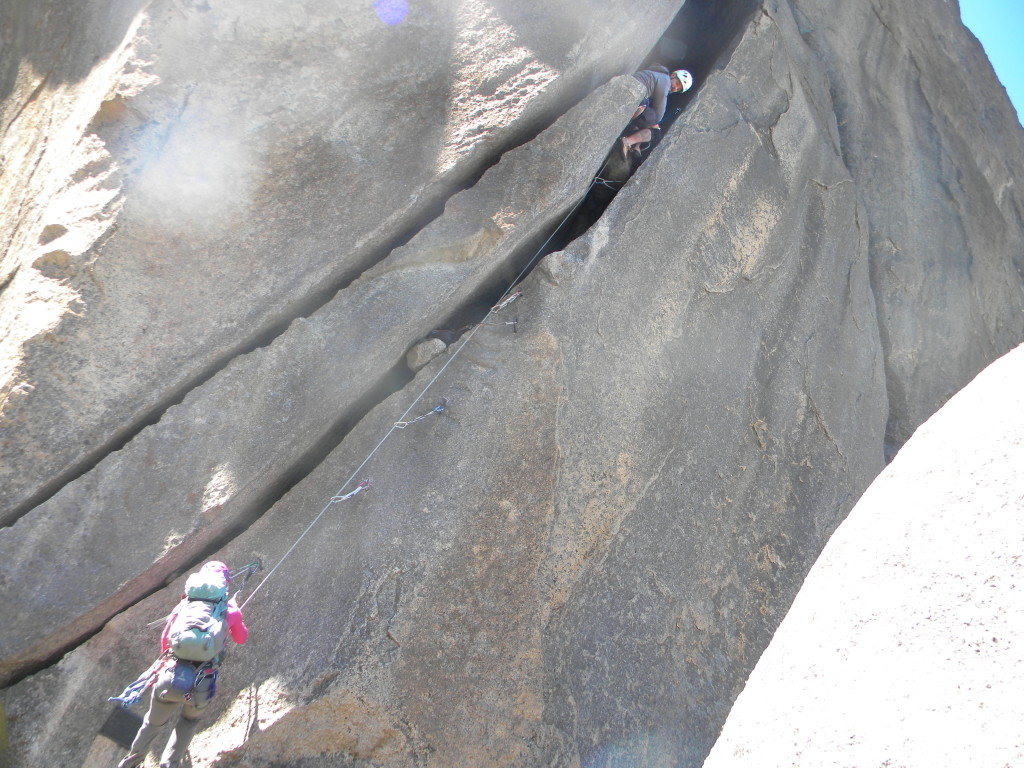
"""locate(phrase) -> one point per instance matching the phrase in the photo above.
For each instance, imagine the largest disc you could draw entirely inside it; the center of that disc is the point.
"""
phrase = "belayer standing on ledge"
(192, 645)
(659, 83)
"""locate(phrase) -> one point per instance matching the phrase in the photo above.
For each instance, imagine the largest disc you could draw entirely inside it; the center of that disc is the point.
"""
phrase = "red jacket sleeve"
(236, 626)
(164, 642)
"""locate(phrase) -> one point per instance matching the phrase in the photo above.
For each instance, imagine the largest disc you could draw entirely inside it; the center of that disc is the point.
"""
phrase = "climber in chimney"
(659, 83)
(192, 646)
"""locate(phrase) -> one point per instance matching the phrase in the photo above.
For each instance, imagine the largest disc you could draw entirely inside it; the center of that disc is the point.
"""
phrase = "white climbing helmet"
(685, 78)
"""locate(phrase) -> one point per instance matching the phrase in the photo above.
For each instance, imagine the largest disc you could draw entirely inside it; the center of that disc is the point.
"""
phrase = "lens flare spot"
(391, 12)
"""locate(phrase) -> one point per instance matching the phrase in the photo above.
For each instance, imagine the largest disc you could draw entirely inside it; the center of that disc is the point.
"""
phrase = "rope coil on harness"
(133, 693)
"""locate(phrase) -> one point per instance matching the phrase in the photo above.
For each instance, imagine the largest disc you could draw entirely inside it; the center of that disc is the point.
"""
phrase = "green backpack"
(200, 629)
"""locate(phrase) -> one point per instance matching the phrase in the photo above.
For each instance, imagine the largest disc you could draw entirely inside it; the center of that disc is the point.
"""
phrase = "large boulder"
(904, 645)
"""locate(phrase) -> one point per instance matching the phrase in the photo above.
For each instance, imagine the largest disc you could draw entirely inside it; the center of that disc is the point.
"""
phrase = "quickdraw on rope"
(514, 322)
(249, 569)
(438, 410)
(363, 486)
(338, 497)
(506, 301)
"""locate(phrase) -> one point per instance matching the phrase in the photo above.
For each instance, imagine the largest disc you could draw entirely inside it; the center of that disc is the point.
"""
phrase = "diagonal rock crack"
(259, 423)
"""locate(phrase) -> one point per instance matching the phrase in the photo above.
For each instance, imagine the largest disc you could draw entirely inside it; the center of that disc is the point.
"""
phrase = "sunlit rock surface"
(904, 645)
(181, 178)
(151, 508)
(580, 560)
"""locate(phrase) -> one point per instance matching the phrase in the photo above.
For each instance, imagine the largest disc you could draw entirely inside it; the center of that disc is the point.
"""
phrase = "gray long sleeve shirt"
(657, 82)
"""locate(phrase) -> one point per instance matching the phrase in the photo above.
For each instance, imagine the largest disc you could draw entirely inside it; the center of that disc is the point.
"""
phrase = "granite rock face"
(936, 151)
(152, 508)
(207, 172)
(579, 561)
(904, 644)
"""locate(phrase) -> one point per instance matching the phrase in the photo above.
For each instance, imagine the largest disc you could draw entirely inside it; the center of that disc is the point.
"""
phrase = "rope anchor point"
(363, 486)
(505, 302)
(514, 322)
(441, 408)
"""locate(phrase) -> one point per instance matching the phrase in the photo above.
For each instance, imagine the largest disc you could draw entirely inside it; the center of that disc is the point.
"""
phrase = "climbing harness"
(187, 678)
(192, 677)
(438, 410)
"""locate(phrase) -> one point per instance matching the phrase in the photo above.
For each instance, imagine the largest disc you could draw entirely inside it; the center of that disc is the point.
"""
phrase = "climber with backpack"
(192, 647)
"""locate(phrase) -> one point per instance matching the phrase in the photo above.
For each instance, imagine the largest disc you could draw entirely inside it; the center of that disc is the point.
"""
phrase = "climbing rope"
(506, 298)
(333, 500)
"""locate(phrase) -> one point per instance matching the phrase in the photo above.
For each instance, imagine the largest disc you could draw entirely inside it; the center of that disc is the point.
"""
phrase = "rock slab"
(148, 510)
(580, 561)
(904, 645)
(186, 178)
(593, 544)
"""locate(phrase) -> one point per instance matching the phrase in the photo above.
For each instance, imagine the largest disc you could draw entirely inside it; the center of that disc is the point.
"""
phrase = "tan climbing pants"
(164, 704)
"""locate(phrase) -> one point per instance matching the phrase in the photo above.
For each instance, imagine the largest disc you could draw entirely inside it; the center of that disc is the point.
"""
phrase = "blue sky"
(999, 25)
